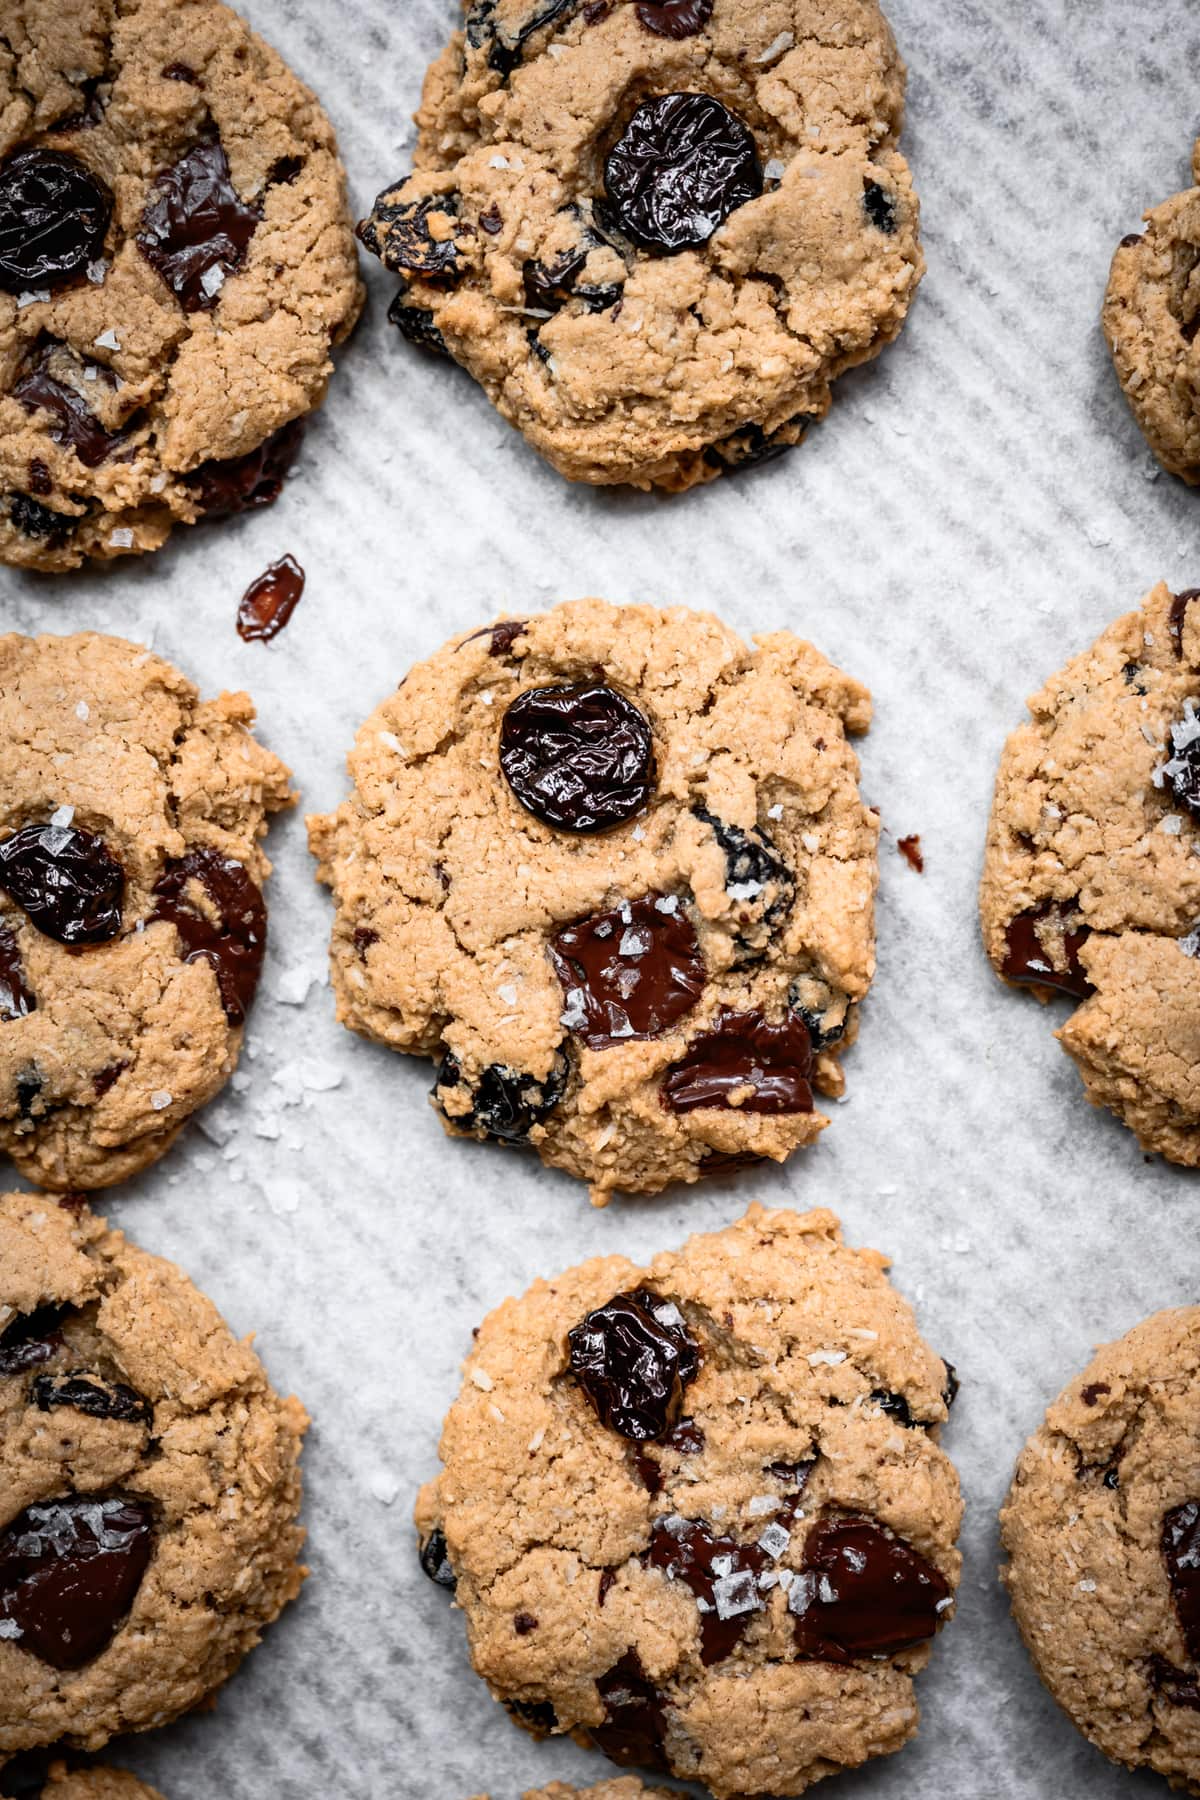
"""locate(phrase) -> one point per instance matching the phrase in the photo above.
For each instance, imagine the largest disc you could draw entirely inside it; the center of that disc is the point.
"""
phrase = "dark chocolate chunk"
(1178, 614)
(537, 1716)
(16, 1001)
(53, 216)
(681, 166)
(524, 1623)
(399, 234)
(1181, 1553)
(107, 1078)
(687, 1438)
(756, 876)
(196, 228)
(579, 758)
(224, 923)
(70, 1570)
(675, 18)
(1094, 1391)
(31, 1339)
(1181, 772)
(435, 1560)
(896, 1407)
(75, 426)
(953, 1385)
(238, 484)
(743, 1050)
(33, 520)
(505, 46)
(793, 1474)
(633, 1358)
(82, 1393)
(750, 446)
(1042, 950)
(506, 1104)
(269, 602)
(635, 1723)
(40, 480)
(180, 71)
(364, 937)
(1173, 1685)
(503, 634)
(863, 1592)
(29, 1085)
(608, 1579)
(687, 1551)
(551, 286)
(630, 973)
(416, 324)
(879, 206)
(66, 881)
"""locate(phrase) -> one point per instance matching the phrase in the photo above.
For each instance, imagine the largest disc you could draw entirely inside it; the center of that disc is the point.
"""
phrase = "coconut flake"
(482, 1380)
(774, 49)
(831, 1357)
(160, 1100)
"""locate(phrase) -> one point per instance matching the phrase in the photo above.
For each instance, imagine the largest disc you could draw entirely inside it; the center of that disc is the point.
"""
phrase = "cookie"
(132, 921)
(33, 1778)
(1091, 885)
(625, 1787)
(655, 233)
(1151, 315)
(612, 870)
(1102, 1531)
(150, 1485)
(176, 261)
(696, 1514)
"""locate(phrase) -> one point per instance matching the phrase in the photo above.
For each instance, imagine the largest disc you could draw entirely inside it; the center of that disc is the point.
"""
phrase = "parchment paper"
(978, 506)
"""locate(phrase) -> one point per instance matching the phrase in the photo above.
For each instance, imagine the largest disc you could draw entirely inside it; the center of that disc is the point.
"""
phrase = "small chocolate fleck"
(435, 1560)
(910, 850)
(608, 1579)
(879, 206)
(107, 1078)
(1173, 1685)
(524, 1623)
(40, 481)
(1178, 614)
(181, 71)
(1093, 1391)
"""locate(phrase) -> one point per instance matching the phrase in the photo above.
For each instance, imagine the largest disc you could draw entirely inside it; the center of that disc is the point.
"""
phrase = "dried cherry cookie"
(623, 1787)
(132, 921)
(1091, 884)
(612, 869)
(696, 1514)
(176, 260)
(150, 1485)
(1102, 1531)
(37, 1778)
(655, 234)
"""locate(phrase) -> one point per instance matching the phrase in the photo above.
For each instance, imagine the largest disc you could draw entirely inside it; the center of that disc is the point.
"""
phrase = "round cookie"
(1102, 1531)
(176, 261)
(132, 925)
(30, 1777)
(696, 1514)
(655, 233)
(1091, 884)
(624, 1787)
(612, 869)
(150, 1485)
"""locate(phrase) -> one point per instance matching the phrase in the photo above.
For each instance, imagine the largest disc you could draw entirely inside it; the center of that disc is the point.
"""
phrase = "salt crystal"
(668, 1314)
(91, 372)
(392, 742)
(669, 905)
(62, 816)
(759, 1504)
(158, 482)
(160, 1100)
(1086, 1587)
(736, 1594)
(635, 942)
(121, 538)
(96, 271)
(482, 1380)
(775, 812)
(1190, 945)
(498, 162)
(31, 296)
(831, 1357)
(9, 1629)
(488, 697)
(1172, 825)
(744, 890)
(293, 985)
(507, 993)
(774, 169)
(108, 340)
(637, 834)
(83, 711)
(811, 842)
(775, 1540)
(239, 1081)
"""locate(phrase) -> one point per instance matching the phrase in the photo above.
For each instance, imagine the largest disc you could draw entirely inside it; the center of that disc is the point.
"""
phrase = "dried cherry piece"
(70, 1570)
(538, 1716)
(755, 874)
(33, 520)
(1181, 1553)
(896, 1407)
(1175, 1687)
(681, 166)
(506, 48)
(633, 1358)
(53, 216)
(953, 1385)
(399, 234)
(1181, 772)
(416, 324)
(550, 286)
(722, 1573)
(750, 446)
(1030, 961)
(226, 927)
(15, 998)
(675, 18)
(630, 973)
(507, 1104)
(879, 206)
(196, 228)
(238, 484)
(435, 1560)
(635, 1723)
(744, 1050)
(579, 758)
(270, 600)
(66, 881)
(1178, 613)
(31, 1339)
(74, 426)
(863, 1592)
(112, 1400)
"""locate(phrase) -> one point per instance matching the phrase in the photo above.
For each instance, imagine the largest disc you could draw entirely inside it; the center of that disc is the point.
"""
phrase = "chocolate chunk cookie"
(132, 919)
(611, 869)
(176, 261)
(623, 1787)
(149, 1485)
(696, 1513)
(654, 234)
(30, 1777)
(1091, 885)
(1102, 1530)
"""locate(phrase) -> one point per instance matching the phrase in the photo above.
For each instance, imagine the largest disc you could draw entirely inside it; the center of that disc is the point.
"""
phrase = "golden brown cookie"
(1091, 884)
(623, 1787)
(33, 1777)
(176, 262)
(149, 1485)
(1102, 1530)
(612, 869)
(696, 1514)
(132, 920)
(655, 233)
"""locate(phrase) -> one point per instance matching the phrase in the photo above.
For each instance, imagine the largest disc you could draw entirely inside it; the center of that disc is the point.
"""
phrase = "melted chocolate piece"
(1181, 772)
(33, 520)
(108, 1078)
(398, 233)
(1028, 960)
(1176, 1688)
(1181, 1553)
(31, 1339)
(727, 1162)
(196, 228)
(578, 758)
(795, 1475)
(69, 1572)
(551, 286)
(633, 1358)
(686, 1439)
(879, 206)
(83, 1394)
(66, 881)
(241, 484)
(635, 1724)
(743, 1049)
(506, 48)
(1178, 613)
(53, 216)
(630, 973)
(507, 1104)
(16, 1001)
(682, 165)
(910, 850)
(75, 427)
(608, 1579)
(863, 1593)
(721, 1573)
(416, 324)
(236, 941)
(435, 1560)
(675, 18)
(269, 602)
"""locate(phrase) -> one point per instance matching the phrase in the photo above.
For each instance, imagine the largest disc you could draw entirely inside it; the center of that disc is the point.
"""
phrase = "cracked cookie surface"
(664, 977)
(655, 234)
(150, 1485)
(153, 359)
(132, 923)
(1102, 1530)
(1091, 882)
(696, 1513)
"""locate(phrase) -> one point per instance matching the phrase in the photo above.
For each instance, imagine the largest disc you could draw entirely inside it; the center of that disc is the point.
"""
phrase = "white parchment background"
(978, 506)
